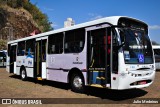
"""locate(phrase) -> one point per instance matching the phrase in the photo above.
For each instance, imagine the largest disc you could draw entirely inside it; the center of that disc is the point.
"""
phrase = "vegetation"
(40, 18)
(3, 44)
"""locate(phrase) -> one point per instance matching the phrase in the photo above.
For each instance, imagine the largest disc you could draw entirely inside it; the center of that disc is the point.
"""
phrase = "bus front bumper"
(136, 79)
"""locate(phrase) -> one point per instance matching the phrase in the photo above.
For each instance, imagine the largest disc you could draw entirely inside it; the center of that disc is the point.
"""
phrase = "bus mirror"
(123, 43)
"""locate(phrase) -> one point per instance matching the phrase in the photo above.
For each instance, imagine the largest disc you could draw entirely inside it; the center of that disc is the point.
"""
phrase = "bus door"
(114, 58)
(40, 59)
(12, 55)
(98, 55)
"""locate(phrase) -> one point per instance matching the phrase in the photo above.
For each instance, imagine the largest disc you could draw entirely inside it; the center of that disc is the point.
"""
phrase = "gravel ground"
(11, 86)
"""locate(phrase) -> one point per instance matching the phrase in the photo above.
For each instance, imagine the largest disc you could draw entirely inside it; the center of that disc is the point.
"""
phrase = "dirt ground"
(11, 86)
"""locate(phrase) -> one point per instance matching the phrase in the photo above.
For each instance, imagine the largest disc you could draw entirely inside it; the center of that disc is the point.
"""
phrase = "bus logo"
(141, 58)
(29, 54)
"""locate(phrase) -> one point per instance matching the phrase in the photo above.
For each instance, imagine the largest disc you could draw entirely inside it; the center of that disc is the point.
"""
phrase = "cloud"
(94, 16)
(54, 25)
(154, 27)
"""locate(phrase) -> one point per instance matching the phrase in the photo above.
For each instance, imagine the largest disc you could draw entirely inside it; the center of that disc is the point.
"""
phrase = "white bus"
(112, 52)
(156, 49)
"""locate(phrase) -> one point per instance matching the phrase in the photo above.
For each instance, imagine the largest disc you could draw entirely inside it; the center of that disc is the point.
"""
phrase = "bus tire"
(77, 83)
(23, 74)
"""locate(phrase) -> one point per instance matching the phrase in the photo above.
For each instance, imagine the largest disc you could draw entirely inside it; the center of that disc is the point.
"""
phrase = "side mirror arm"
(118, 47)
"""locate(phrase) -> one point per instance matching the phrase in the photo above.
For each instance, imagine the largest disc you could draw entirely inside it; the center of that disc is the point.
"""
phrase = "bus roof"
(113, 20)
(156, 46)
(3, 50)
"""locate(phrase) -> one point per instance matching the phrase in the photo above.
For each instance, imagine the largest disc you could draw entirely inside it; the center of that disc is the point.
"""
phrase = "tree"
(3, 44)
(19, 3)
(40, 18)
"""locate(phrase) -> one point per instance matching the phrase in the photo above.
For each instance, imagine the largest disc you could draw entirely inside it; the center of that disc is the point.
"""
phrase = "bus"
(156, 49)
(112, 52)
(3, 58)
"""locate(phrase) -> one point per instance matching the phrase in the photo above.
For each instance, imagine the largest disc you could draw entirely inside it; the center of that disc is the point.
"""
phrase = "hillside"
(18, 21)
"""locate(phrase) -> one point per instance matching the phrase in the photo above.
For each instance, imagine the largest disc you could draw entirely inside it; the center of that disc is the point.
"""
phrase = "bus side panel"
(121, 66)
(14, 67)
(57, 75)
(58, 66)
(7, 64)
(29, 63)
(17, 70)
(76, 60)
(20, 61)
(44, 71)
(29, 72)
(55, 70)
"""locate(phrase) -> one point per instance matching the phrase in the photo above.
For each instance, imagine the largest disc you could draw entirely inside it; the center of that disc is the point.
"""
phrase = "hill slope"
(18, 21)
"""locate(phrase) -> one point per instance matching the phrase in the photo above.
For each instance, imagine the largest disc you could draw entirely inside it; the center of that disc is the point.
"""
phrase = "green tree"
(45, 23)
(3, 44)
(19, 3)
(40, 18)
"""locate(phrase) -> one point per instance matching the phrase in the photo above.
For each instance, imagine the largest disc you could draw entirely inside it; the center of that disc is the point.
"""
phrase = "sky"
(86, 10)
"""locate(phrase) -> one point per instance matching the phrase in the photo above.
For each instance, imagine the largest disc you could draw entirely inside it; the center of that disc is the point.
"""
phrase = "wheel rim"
(23, 74)
(77, 82)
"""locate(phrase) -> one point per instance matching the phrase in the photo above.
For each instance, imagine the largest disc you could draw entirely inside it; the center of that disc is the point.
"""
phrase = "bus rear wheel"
(23, 74)
(77, 83)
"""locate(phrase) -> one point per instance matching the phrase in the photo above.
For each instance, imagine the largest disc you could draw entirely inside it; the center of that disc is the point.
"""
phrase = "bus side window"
(21, 49)
(55, 44)
(157, 55)
(74, 41)
(30, 47)
(53, 48)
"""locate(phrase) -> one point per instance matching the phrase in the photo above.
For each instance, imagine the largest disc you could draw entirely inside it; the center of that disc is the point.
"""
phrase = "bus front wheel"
(23, 74)
(77, 83)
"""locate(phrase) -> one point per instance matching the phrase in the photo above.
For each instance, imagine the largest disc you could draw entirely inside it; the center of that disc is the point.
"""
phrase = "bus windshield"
(137, 47)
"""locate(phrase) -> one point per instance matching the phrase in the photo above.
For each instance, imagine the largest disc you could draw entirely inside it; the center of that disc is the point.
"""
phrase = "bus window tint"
(74, 41)
(2, 57)
(30, 47)
(21, 49)
(157, 55)
(55, 44)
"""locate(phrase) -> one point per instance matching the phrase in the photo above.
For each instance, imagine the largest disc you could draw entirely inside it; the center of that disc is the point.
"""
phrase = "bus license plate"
(142, 82)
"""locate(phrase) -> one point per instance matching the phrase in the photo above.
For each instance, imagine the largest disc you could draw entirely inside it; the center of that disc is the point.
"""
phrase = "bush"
(3, 44)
